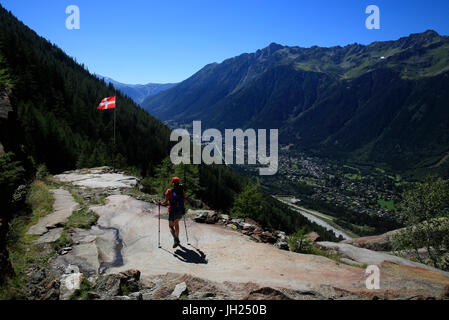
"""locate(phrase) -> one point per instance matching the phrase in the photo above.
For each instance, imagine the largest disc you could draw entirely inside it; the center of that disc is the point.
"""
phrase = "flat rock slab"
(63, 207)
(50, 236)
(220, 254)
(98, 180)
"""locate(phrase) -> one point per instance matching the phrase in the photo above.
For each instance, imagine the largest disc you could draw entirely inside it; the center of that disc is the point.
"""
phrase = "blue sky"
(141, 41)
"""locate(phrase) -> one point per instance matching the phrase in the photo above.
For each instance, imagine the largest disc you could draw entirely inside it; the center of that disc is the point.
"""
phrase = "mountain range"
(138, 92)
(385, 103)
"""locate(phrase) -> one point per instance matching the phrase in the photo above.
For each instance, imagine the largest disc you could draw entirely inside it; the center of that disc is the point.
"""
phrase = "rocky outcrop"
(376, 243)
(369, 257)
(119, 285)
(246, 226)
(204, 216)
(229, 259)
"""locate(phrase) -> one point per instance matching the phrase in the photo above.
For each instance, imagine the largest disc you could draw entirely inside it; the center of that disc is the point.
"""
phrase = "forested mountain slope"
(55, 114)
(385, 103)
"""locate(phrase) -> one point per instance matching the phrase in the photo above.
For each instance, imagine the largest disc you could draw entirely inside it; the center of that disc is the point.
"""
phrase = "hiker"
(175, 198)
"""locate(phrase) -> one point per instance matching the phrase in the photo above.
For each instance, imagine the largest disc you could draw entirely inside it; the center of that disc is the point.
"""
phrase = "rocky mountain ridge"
(138, 92)
(384, 103)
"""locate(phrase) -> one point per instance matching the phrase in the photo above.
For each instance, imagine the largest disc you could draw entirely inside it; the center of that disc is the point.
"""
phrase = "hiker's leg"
(171, 224)
(177, 228)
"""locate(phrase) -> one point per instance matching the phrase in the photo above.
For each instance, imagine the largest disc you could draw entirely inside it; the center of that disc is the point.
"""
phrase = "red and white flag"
(107, 103)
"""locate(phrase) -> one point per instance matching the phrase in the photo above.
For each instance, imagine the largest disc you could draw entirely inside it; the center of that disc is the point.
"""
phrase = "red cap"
(175, 179)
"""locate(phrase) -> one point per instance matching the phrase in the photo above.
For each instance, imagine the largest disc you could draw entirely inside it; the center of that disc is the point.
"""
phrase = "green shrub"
(83, 292)
(248, 203)
(426, 214)
(300, 243)
(42, 172)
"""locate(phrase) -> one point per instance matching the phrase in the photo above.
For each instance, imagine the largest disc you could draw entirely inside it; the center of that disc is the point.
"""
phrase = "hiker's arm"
(165, 202)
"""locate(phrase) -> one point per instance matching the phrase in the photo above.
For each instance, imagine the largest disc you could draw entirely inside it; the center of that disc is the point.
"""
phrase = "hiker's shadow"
(190, 256)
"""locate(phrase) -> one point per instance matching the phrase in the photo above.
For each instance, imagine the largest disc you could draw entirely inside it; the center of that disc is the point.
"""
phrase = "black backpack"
(177, 205)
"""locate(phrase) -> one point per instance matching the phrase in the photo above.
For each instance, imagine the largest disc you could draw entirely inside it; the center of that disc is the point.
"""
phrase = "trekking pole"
(185, 225)
(159, 231)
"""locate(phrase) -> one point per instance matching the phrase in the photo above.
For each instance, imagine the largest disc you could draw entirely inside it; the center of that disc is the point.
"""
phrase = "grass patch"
(83, 218)
(327, 254)
(83, 292)
(88, 197)
(64, 241)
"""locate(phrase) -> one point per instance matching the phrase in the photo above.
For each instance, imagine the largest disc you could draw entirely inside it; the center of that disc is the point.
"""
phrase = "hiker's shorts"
(174, 216)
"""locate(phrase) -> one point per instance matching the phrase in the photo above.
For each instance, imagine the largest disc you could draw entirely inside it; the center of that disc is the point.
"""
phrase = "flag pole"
(115, 119)
(114, 150)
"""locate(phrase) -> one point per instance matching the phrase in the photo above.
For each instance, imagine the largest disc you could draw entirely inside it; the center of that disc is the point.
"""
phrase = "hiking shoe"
(176, 243)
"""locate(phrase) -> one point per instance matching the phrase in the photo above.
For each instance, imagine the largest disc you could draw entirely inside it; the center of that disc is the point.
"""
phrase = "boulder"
(51, 290)
(253, 222)
(212, 217)
(131, 274)
(70, 282)
(109, 286)
(313, 236)
(280, 235)
(376, 243)
(282, 244)
(268, 237)
(204, 216)
(179, 290)
(246, 226)
(132, 296)
(136, 296)
(113, 285)
(236, 222)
